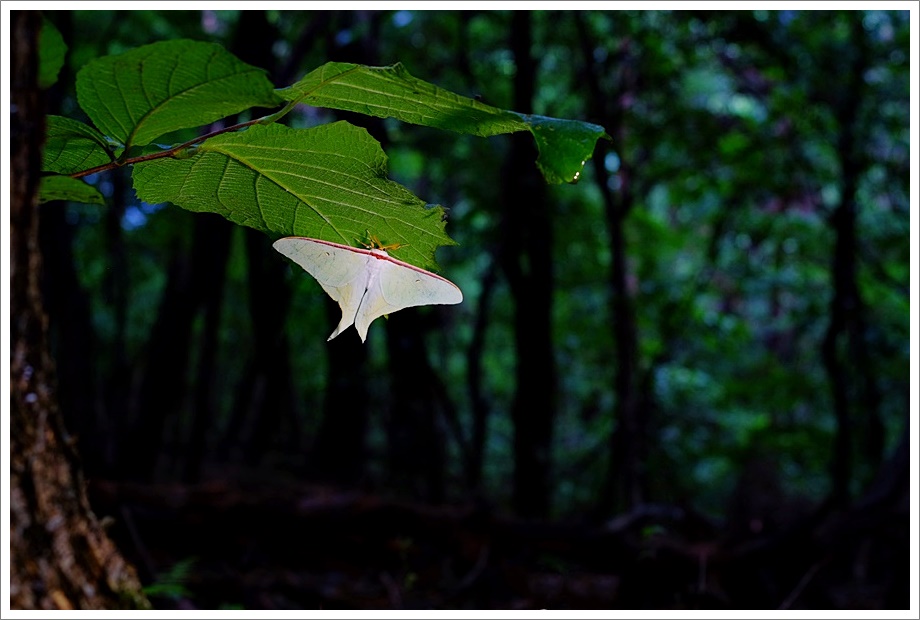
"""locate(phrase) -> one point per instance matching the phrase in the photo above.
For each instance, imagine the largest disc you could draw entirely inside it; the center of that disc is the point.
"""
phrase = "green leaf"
(171, 584)
(328, 182)
(72, 146)
(564, 146)
(152, 90)
(51, 53)
(391, 92)
(67, 188)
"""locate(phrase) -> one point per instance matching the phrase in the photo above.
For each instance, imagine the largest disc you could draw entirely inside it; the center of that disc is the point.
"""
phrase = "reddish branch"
(170, 152)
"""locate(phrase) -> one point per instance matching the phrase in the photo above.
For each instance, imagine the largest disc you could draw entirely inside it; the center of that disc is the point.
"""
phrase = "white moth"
(367, 283)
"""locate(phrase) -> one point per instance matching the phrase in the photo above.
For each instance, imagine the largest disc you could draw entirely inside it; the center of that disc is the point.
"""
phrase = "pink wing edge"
(379, 255)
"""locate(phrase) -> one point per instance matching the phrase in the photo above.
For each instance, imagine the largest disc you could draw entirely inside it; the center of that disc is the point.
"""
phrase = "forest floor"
(232, 545)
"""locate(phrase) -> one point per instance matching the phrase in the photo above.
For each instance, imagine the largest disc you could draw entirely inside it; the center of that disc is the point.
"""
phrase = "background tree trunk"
(527, 263)
(844, 351)
(479, 403)
(60, 556)
(626, 486)
(194, 277)
(264, 400)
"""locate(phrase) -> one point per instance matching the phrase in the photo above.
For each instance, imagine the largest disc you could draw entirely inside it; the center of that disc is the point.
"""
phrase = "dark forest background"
(681, 382)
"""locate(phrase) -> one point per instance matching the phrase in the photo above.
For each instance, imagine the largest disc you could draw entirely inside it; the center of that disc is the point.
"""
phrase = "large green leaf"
(328, 182)
(67, 188)
(152, 90)
(391, 92)
(72, 146)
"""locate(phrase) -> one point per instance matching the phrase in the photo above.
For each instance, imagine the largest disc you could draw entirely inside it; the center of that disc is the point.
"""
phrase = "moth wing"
(341, 271)
(399, 285)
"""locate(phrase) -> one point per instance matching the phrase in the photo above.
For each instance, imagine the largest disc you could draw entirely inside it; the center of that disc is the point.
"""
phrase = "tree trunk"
(264, 395)
(339, 454)
(164, 384)
(415, 440)
(479, 403)
(527, 263)
(204, 408)
(117, 408)
(268, 394)
(60, 557)
(625, 486)
(844, 351)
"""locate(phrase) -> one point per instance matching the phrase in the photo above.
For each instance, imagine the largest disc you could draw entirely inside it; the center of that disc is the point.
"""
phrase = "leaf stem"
(265, 120)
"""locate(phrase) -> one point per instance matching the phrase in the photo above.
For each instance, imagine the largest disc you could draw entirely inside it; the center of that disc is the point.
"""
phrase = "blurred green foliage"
(732, 142)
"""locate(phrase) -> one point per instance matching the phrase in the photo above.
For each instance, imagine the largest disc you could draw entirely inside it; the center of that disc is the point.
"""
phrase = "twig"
(173, 150)
(800, 586)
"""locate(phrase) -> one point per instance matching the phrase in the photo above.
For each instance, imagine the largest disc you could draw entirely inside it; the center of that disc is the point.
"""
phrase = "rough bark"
(60, 556)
